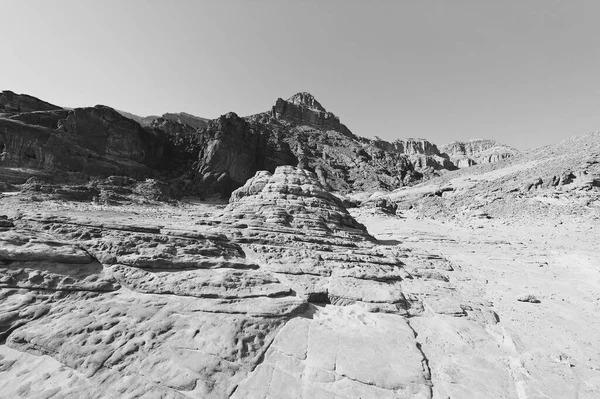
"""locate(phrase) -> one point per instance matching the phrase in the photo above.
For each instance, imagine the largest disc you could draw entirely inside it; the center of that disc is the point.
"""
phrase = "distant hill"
(179, 117)
(559, 179)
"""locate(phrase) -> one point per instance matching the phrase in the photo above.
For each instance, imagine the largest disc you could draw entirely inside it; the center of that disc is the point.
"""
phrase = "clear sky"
(523, 72)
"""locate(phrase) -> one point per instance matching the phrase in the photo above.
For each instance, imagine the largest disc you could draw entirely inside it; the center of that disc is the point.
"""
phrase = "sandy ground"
(556, 343)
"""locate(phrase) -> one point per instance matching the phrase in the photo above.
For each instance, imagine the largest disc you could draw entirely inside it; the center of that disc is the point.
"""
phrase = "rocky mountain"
(202, 157)
(558, 179)
(182, 118)
(422, 154)
(473, 152)
(142, 120)
(477, 282)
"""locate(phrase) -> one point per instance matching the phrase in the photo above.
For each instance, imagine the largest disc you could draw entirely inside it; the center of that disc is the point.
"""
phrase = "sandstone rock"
(159, 346)
(5, 222)
(304, 109)
(528, 298)
(341, 352)
(34, 260)
(472, 152)
(295, 199)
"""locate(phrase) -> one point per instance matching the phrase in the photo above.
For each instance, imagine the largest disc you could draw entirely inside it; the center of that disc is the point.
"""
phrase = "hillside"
(557, 179)
(204, 157)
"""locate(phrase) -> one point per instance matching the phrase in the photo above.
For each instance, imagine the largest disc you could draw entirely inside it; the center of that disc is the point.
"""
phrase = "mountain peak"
(306, 99)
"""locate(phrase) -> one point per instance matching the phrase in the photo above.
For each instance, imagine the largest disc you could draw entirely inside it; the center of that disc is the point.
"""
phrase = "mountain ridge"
(216, 156)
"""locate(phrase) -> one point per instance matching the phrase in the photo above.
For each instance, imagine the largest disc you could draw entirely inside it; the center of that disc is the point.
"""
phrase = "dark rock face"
(96, 141)
(103, 130)
(232, 149)
(206, 157)
(47, 119)
(16, 103)
(187, 119)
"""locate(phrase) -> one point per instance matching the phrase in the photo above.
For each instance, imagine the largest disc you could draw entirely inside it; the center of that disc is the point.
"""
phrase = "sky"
(523, 72)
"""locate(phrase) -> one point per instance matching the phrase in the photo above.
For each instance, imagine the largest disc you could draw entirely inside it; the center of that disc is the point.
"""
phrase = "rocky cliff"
(304, 109)
(202, 157)
(422, 154)
(472, 152)
(96, 141)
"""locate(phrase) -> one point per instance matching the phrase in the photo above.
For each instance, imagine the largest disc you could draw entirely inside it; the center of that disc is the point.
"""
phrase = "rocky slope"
(549, 181)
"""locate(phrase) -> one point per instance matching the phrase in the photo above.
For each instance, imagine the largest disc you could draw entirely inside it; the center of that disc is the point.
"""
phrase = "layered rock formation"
(304, 109)
(473, 152)
(282, 289)
(422, 154)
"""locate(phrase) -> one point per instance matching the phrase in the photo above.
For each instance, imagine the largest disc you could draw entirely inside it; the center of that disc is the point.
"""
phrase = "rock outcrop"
(423, 155)
(282, 288)
(181, 118)
(187, 119)
(304, 109)
(467, 153)
(95, 141)
(410, 146)
(18, 103)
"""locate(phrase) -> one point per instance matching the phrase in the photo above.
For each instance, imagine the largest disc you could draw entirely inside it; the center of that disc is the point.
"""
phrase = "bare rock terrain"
(283, 293)
(330, 271)
(202, 157)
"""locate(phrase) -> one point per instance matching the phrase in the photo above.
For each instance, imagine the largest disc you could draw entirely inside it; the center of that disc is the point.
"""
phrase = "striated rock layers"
(422, 154)
(282, 294)
(473, 152)
(304, 109)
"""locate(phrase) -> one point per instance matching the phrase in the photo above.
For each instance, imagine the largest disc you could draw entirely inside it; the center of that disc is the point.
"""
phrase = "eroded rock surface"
(219, 305)
(280, 293)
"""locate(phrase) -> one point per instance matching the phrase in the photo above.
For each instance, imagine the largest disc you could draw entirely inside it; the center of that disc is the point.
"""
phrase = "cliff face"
(304, 109)
(472, 152)
(422, 154)
(97, 141)
(103, 130)
(410, 147)
(231, 150)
